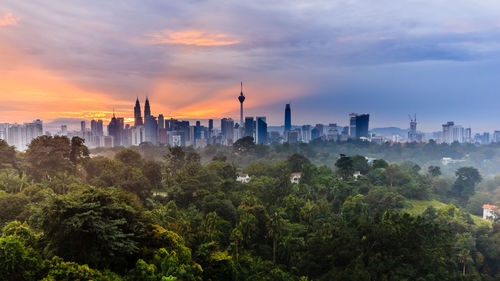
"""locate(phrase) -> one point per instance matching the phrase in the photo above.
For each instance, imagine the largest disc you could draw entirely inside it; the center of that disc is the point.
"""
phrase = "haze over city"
(81, 59)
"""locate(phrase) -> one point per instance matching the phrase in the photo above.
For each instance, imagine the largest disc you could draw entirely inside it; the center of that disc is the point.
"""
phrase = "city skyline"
(327, 58)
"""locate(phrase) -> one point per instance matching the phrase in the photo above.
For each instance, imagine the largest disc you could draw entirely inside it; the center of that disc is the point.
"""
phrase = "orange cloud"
(8, 19)
(30, 91)
(193, 38)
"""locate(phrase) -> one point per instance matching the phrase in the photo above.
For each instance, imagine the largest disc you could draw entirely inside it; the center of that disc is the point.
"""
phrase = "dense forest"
(171, 213)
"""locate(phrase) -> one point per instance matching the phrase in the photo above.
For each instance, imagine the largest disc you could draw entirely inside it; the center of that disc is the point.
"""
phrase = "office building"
(249, 127)
(288, 118)
(261, 130)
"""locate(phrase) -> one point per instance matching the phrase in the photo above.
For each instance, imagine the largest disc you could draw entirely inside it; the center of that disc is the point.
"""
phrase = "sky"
(438, 59)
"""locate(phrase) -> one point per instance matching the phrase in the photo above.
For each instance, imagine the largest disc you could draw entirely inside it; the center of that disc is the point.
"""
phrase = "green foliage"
(81, 218)
(465, 184)
(244, 144)
(47, 156)
(94, 226)
(18, 262)
(8, 157)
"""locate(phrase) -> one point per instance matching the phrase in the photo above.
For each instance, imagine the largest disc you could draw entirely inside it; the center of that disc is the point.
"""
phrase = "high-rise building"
(137, 113)
(249, 127)
(412, 133)
(114, 131)
(261, 132)
(161, 121)
(227, 130)
(96, 128)
(496, 136)
(362, 125)
(454, 133)
(151, 129)
(447, 132)
(241, 98)
(82, 127)
(288, 118)
(352, 125)
(468, 135)
(147, 110)
(358, 125)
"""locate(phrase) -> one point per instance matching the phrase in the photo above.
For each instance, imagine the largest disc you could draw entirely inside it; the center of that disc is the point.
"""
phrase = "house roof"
(487, 206)
(297, 174)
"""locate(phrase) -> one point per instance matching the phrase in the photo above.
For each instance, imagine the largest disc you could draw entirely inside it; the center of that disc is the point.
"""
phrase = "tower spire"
(241, 98)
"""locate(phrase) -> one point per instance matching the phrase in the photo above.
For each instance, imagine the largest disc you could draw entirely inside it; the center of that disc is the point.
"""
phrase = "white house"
(295, 177)
(489, 211)
(243, 178)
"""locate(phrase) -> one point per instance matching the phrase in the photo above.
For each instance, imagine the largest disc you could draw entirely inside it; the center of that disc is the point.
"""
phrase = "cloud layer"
(71, 59)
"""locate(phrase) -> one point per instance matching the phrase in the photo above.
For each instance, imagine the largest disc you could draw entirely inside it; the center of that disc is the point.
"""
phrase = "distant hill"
(389, 131)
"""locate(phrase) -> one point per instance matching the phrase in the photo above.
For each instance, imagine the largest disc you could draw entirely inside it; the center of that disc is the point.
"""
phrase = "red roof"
(298, 174)
(487, 206)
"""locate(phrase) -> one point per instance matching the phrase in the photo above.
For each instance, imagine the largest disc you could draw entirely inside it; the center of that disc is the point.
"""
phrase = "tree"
(7, 155)
(465, 183)
(95, 226)
(152, 170)
(78, 150)
(18, 262)
(379, 163)
(296, 161)
(360, 163)
(345, 166)
(129, 157)
(434, 171)
(276, 227)
(48, 156)
(244, 144)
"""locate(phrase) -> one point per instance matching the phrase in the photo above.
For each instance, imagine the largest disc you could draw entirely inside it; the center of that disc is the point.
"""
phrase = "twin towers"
(137, 112)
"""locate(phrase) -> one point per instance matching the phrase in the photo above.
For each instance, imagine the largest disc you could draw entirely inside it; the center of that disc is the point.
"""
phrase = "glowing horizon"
(81, 59)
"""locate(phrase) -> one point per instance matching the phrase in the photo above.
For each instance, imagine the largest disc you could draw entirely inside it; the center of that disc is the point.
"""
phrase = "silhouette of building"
(288, 118)
(261, 130)
(227, 130)
(96, 128)
(114, 131)
(161, 122)
(358, 125)
(249, 127)
(147, 110)
(137, 114)
(151, 128)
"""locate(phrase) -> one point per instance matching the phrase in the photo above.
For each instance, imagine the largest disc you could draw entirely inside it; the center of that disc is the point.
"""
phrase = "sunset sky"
(80, 59)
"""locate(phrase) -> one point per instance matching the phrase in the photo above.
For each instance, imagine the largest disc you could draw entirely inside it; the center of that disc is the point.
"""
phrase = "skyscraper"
(352, 125)
(249, 127)
(241, 98)
(288, 118)
(147, 110)
(227, 130)
(161, 121)
(358, 125)
(362, 125)
(137, 113)
(82, 127)
(261, 132)
(412, 133)
(114, 130)
(151, 128)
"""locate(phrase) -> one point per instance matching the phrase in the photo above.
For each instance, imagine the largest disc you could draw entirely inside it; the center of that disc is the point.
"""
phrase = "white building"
(243, 178)
(295, 177)
(489, 211)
